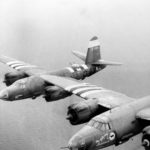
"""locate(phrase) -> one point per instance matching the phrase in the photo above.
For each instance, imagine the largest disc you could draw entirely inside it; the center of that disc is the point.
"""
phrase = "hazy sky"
(44, 32)
(39, 27)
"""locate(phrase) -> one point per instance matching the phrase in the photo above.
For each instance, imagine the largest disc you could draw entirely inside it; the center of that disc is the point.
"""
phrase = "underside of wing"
(21, 66)
(107, 98)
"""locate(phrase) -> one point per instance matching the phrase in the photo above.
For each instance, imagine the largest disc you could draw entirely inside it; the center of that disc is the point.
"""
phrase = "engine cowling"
(11, 77)
(53, 93)
(82, 112)
(146, 137)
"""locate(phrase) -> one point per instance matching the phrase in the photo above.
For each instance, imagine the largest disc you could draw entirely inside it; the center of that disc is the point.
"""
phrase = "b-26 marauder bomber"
(113, 117)
(26, 82)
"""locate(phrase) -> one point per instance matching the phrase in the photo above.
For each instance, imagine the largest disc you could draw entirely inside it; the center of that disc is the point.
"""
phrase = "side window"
(91, 123)
(99, 126)
(96, 124)
(103, 128)
(107, 127)
(23, 86)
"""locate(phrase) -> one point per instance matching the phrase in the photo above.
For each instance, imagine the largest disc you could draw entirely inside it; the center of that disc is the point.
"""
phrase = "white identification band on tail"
(93, 43)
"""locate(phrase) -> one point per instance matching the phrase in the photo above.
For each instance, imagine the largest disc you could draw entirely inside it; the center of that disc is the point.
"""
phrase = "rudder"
(93, 53)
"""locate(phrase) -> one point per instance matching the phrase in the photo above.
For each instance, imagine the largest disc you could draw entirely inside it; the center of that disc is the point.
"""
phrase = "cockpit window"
(103, 127)
(96, 125)
(99, 125)
(107, 126)
(91, 123)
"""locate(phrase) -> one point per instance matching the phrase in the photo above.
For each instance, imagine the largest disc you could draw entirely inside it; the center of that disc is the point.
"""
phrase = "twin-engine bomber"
(113, 118)
(26, 82)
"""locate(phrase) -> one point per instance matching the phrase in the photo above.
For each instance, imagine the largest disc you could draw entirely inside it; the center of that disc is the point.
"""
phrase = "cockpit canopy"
(100, 125)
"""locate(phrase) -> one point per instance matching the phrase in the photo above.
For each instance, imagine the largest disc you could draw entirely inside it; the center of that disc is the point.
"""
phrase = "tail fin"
(93, 53)
(93, 56)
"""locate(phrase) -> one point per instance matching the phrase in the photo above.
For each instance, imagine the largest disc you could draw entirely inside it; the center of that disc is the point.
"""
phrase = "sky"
(44, 32)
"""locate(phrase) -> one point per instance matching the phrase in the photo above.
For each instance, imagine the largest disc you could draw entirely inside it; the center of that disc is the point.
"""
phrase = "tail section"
(93, 53)
(80, 55)
(93, 56)
(106, 63)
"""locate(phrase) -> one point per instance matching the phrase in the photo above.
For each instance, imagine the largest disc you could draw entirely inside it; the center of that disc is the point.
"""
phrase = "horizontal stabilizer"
(80, 55)
(103, 62)
(93, 56)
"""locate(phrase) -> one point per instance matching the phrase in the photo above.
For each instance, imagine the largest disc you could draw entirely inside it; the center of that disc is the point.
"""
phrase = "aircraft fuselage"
(78, 72)
(33, 86)
(112, 127)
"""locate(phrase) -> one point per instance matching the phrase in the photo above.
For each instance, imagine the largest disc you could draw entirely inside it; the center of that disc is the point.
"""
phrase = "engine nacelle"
(11, 77)
(82, 112)
(53, 93)
(146, 137)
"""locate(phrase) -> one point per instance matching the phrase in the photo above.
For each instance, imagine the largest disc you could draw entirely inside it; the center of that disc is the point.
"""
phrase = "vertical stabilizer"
(93, 56)
(93, 53)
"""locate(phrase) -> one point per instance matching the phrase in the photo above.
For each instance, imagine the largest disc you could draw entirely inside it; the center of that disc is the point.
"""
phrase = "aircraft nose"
(76, 143)
(4, 94)
(81, 140)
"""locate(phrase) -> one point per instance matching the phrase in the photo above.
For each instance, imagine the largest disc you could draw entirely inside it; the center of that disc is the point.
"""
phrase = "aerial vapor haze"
(44, 32)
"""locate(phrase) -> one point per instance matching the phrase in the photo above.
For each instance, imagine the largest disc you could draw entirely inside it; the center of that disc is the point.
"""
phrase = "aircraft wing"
(107, 98)
(144, 114)
(21, 66)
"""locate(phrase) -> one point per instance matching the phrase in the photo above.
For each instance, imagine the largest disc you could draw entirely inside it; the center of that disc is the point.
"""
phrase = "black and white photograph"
(75, 75)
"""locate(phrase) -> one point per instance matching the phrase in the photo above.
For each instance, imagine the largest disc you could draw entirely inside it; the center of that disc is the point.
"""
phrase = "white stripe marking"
(85, 66)
(15, 65)
(88, 93)
(70, 69)
(86, 88)
(74, 86)
(93, 43)
(13, 62)
(24, 67)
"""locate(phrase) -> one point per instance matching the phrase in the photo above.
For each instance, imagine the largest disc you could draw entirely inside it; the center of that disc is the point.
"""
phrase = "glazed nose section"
(83, 139)
(76, 143)
(4, 94)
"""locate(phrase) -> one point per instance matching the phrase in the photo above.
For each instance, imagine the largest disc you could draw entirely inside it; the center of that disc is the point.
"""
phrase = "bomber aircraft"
(26, 82)
(113, 117)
